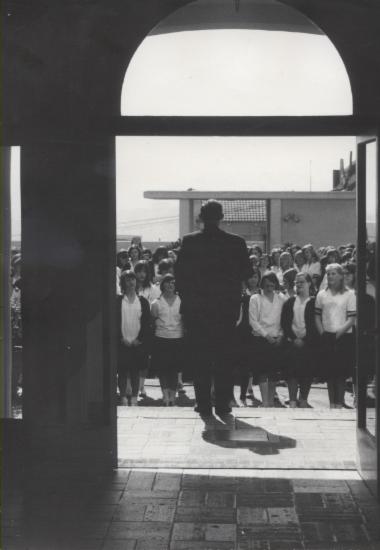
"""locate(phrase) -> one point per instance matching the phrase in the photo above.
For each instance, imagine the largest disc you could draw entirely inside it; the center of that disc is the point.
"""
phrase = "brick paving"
(153, 509)
(262, 479)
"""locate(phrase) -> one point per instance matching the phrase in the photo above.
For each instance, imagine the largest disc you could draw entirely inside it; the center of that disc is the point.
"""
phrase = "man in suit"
(209, 271)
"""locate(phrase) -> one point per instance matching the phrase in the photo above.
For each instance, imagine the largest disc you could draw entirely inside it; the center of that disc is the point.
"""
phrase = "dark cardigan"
(287, 320)
(145, 334)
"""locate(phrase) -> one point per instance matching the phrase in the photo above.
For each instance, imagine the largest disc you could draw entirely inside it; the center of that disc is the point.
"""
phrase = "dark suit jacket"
(209, 271)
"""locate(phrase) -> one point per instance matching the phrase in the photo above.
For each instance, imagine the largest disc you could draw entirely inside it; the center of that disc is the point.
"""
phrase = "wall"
(322, 221)
(248, 230)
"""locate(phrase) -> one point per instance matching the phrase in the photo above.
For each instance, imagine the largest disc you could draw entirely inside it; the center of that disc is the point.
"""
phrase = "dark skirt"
(167, 355)
(298, 362)
(336, 358)
(267, 359)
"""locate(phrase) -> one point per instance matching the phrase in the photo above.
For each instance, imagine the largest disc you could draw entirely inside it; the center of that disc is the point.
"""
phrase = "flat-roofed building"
(271, 218)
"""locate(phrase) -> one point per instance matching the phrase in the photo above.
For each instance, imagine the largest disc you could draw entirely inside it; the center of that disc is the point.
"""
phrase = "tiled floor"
(263, 479)
(153, 509)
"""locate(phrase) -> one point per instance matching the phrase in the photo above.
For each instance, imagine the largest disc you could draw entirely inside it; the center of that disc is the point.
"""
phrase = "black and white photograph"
(191, 274)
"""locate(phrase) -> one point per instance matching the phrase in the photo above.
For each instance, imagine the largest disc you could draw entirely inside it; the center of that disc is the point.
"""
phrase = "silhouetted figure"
(210, 269)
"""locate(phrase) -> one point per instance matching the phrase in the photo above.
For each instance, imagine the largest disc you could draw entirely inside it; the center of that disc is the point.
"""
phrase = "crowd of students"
(296, 324)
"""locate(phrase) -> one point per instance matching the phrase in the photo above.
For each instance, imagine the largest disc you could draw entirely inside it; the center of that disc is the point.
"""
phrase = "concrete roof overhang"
(249, 195)
(268, 15)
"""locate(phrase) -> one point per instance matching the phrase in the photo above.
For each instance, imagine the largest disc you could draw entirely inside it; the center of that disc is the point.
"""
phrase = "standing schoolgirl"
(167, 356)
(298, 324)
(335, 314)
(265, 320)
(134, 336)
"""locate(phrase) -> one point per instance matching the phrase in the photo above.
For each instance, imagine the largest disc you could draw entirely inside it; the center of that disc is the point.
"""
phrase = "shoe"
(180, 388)
(133, 401)
(124, 401)
(303, 404)
(143, 394)
(203, 411)
(225, 410)
(293, 404)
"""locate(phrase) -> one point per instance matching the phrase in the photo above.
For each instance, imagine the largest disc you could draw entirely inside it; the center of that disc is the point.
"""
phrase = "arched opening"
(260, 60)
(68, 195)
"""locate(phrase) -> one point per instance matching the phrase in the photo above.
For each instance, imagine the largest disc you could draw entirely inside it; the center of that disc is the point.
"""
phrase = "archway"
(166, 105)
(53, 174)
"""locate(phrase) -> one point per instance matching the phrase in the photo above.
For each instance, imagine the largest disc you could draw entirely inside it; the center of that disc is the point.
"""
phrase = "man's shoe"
(205, 411)
(223, 411)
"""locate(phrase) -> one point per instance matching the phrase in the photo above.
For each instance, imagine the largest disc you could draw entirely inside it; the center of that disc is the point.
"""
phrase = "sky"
(228, 72)
(223, 72)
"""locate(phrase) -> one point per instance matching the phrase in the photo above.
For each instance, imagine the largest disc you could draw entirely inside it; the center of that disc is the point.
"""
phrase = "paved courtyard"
(259, 479)
(189, 509)
(151, 435)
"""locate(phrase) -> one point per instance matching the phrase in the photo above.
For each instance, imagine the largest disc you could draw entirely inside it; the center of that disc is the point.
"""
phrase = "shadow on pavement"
(230, 432)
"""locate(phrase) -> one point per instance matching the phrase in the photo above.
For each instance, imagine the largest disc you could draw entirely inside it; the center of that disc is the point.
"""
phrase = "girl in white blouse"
(145, 287)
(168, 342)
(335, 314)
(150, 292)
(298, 323)
(265, 321)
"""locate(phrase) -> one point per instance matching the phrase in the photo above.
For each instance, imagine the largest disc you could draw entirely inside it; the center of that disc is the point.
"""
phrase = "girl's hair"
(351, 268)
(267, 257)
(273, 252)
(128, 274)
(312, 289)
(142, 265)
(272, 277)
(164, 265)
(136, 240)
(337, 267)
(290, 276)
(254, 257)
(257, 250)
(299, 254)
(286, 255)
(346, 257)
(334, 251)
(165, 279)
(122, 254)
(254, 270)
(160, 253)
(147, 251)
(314, 255)
(134, 247)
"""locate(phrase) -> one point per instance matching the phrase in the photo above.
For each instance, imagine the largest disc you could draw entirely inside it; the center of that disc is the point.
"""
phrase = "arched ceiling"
(236, 14)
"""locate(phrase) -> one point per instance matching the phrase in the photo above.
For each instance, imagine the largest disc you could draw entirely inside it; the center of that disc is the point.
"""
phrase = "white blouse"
(151, 293)
(335, 309)
(298, 324)
(167, 318)
(130, 319)
(265, 316)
